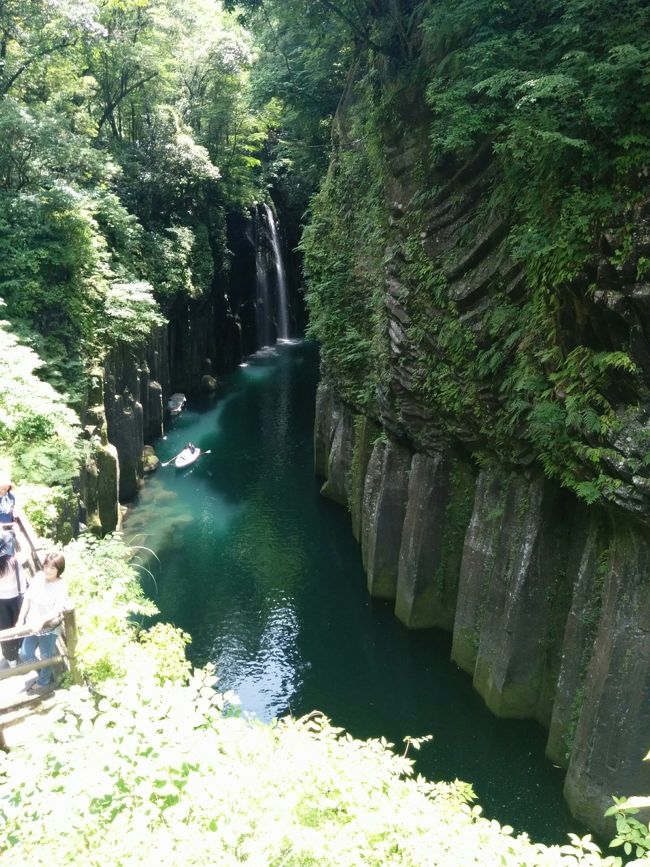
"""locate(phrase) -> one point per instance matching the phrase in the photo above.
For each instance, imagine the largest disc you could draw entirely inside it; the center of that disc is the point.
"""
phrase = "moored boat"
(176, 403)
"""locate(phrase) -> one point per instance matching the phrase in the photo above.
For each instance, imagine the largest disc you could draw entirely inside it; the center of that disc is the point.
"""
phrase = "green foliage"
(165, 646)
(344, 247)
(131, 314)
(50, 508)
(538, 90)
(179, 262)
(169, 772)
(631, 834)
(561, 94)
(37, 430)
(104, 584)
(298, 78)
(126, 134)
(38, 39)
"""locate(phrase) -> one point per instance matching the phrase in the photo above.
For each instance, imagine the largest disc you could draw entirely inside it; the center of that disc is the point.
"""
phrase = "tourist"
(12, 588)
(45, 601)
(7, 501)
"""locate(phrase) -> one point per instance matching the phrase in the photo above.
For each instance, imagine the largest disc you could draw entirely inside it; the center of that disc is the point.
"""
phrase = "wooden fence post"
(70, 626)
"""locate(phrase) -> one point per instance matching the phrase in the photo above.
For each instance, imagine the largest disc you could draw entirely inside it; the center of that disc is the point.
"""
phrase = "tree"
(35, 36)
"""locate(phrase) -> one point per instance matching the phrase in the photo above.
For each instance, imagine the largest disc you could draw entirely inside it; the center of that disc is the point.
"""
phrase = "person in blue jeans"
(42, 610)
(7, 500)
(12, 590)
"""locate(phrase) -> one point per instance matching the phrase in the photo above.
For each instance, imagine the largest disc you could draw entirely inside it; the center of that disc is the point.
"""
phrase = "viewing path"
(17, 705)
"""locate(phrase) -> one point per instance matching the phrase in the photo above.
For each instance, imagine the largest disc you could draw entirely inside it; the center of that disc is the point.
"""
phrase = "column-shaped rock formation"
(586, 567)
(613, 729)
(522, 600)
(100, 474)
(439, 506)
(384, 506)
(328, 412)
(548, 600)
(478, 563)
(337, 486)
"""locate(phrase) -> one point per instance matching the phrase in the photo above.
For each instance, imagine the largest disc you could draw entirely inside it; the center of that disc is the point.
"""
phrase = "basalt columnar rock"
(130, 397)
(384, 506)
(548, 600)
(502, 363)
(437, 511)
(99, 483)
(126, 409)
(611, 736)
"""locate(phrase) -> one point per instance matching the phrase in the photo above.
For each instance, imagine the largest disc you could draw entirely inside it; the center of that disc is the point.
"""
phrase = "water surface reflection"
(266, 577)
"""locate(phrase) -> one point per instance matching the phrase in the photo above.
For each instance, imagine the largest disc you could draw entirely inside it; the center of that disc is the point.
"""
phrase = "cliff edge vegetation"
(150, 762)
(126, 137)
(479, 248)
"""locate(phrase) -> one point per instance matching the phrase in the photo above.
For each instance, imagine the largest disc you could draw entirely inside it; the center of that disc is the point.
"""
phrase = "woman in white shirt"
(45, 601)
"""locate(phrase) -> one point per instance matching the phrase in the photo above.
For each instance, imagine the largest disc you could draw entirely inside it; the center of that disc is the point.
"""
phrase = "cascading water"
(282, 294)
(263, 298)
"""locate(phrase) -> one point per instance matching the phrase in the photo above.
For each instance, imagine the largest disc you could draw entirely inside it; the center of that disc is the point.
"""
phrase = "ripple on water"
(264, 669)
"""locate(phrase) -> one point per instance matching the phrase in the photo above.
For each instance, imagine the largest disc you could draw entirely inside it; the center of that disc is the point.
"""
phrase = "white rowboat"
(187, 457)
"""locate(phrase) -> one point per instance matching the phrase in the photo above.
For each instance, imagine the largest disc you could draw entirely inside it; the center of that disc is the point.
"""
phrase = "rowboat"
(176, 403)
(187, 457)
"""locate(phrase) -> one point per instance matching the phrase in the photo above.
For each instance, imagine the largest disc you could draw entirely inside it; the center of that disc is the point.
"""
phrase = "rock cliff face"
(125, 411)
(126, 406)
(490, 436)
(550, 611)
(548, 601)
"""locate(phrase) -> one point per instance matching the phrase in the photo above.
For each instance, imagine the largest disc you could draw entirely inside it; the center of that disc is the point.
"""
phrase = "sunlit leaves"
(37, 429)
(164, 771)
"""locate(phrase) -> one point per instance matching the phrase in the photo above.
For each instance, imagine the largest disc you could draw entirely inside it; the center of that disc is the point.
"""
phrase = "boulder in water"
(209, 383)
(150, 461)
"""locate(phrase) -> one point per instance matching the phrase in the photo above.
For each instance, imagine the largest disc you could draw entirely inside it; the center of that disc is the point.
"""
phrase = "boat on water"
(176, 403)
(187, 457)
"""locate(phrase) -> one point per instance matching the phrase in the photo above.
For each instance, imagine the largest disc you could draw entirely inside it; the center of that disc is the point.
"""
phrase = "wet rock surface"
(437, 512)
(547, 599)
(384, 506)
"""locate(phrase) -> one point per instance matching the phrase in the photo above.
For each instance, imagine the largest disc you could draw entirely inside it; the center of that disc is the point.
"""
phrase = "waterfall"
(263, 300)
(282, 296)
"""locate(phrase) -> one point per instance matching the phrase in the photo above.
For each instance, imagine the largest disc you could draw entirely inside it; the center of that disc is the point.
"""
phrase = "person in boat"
(191, 448)
(42, 611)
(12, 589)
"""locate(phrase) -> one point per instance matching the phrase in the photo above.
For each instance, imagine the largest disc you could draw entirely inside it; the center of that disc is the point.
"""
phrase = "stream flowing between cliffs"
(265, 575)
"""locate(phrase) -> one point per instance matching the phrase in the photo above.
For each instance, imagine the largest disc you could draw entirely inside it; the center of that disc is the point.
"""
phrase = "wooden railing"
(28, 548)
(66, 646)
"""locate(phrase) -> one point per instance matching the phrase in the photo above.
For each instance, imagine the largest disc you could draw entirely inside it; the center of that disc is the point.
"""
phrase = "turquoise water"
(266, 577)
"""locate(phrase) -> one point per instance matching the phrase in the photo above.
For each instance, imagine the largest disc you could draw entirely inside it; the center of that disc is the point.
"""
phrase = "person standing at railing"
(12, 588)
(7, 501)
(42, 611)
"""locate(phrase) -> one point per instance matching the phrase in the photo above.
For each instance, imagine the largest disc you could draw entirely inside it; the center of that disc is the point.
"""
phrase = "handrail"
(67, 642)
(20, 632)
(31, 538)
(28, 551)
(26, 667)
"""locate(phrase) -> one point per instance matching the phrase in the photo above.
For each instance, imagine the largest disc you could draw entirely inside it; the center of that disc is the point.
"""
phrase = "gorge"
(451, 200)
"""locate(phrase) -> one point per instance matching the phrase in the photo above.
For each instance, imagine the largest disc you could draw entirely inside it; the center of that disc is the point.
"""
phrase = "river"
(265, 575)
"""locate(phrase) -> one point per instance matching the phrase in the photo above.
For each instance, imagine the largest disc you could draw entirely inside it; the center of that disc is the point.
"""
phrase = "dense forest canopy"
(126, 136)
(130, 129)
